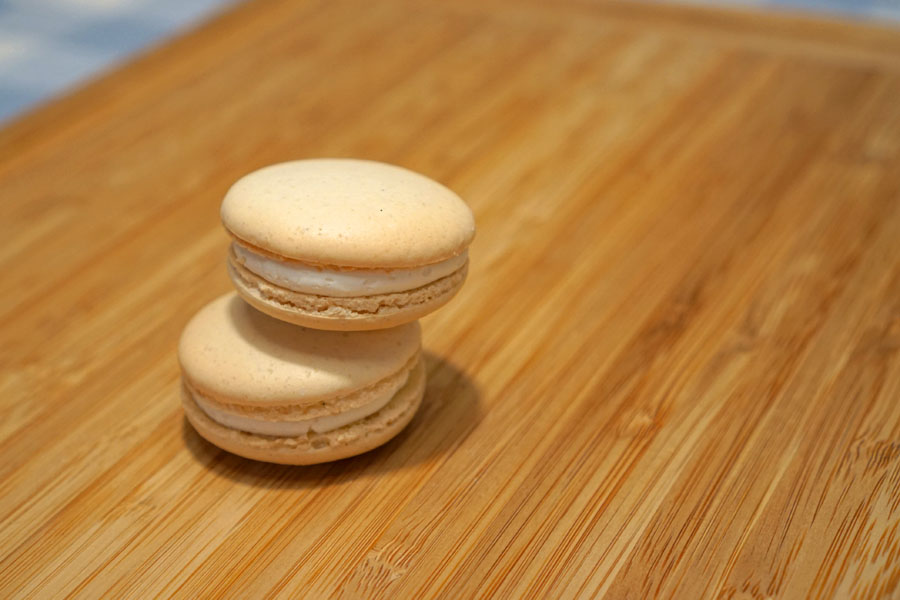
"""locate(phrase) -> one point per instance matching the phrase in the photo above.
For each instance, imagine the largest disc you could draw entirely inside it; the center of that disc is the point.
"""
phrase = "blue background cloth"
(877, 10)
(48, 46)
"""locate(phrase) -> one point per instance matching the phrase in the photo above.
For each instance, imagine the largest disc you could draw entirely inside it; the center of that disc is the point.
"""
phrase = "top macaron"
(345, 244)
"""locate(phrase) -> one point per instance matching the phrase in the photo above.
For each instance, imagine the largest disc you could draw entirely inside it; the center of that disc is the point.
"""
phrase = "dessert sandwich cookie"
(268, 390)
(345, 244)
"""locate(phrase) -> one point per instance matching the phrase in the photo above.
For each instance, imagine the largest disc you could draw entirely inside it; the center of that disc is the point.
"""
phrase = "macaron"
(268, 390)
(345, 244)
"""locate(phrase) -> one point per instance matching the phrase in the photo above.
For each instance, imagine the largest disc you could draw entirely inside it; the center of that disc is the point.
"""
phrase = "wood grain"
(673, 372)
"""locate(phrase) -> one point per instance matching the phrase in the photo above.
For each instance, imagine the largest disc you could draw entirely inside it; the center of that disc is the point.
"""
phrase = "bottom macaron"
(264, 389)
(311, 448)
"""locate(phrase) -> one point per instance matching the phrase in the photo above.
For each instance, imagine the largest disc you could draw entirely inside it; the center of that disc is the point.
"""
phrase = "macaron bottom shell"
(342, 313)
(350, 440)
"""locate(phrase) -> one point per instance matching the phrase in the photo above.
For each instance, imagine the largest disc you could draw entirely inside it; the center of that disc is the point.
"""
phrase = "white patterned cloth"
(48, 46)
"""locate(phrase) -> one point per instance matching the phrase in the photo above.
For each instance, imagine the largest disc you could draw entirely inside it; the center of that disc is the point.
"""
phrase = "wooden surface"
(674, 371)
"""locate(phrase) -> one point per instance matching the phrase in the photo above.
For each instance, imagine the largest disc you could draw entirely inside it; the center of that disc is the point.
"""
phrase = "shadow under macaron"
(450, 411)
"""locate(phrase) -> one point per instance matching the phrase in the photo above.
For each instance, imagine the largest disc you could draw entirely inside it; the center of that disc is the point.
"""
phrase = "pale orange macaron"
(268, 390)
(346, 244)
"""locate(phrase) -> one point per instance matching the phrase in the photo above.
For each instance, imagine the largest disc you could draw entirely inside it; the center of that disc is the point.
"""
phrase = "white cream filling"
(321, 424)
(350, 283)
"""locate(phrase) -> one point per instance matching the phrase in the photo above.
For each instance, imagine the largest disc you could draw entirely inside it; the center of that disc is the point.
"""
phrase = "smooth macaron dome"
(265, 389)
(346, 244)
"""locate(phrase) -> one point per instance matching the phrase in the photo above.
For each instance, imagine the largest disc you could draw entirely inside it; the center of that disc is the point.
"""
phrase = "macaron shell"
(348, 212)
(344, 442)
(233, 353)
(344, 314)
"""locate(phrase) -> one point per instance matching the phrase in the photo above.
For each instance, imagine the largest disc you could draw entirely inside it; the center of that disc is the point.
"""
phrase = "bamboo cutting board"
(674, 371)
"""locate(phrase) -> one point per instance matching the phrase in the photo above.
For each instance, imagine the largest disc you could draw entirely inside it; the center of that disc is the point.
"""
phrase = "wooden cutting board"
(674, 371)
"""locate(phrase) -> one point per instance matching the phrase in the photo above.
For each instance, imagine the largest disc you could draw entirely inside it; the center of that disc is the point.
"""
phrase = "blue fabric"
(48, 46)
(888, 10)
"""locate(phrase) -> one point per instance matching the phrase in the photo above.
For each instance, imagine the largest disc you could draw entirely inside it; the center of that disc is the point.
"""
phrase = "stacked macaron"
(318, 355)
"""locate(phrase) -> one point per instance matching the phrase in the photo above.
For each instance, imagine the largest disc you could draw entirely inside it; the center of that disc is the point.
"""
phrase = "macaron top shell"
(347, 213)
(236, 353)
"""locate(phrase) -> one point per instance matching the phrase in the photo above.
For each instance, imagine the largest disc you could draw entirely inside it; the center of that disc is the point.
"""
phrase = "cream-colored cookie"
(265, 389)
(346, 244)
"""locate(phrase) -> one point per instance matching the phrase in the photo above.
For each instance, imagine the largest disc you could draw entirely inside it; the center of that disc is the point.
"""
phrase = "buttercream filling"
(293, 428)
(349, 283)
